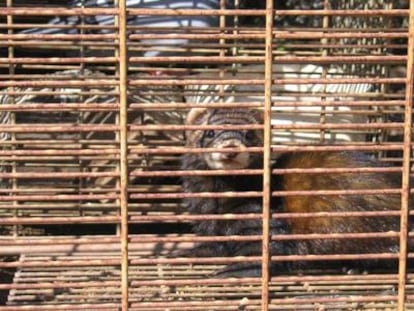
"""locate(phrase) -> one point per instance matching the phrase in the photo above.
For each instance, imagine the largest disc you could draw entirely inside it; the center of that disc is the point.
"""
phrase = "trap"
(109, 108)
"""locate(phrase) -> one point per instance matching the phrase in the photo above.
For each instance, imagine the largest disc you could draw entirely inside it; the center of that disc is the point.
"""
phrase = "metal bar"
(31, 11)
(12, 116)
(110, 261)
(253, 104)
(200, 36)
(61, 220)
(97, 243)
(59, 36)
(43, 128)
(28, 128)
(123, 137)
(54, 83)
(259, 171)
(60, 107)
(253, 59)
(344, 147)
(148, 196)
(389, 125)
(245, 81)
(406, 165)
(147, 244)
(267, 139)
(58, 60)
(66, 153)
(201, 59)
(76, 307)
(340, 59)
(60, 152)
(293, 148)
(185, 218)
(189, 12)
(60, 285)
(185, 82)
(58, 175)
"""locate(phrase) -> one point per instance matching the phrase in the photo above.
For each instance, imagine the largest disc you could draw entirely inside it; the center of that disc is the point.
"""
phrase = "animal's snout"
(230, 155)
(233, 153)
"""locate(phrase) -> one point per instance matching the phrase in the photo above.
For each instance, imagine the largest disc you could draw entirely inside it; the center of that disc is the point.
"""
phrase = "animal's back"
(340, 202)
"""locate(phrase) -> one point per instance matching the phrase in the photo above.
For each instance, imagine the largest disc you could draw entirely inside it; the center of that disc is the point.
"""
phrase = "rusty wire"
(114, 171)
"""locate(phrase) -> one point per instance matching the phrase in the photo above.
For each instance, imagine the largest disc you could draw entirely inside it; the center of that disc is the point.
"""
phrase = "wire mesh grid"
(94, 101)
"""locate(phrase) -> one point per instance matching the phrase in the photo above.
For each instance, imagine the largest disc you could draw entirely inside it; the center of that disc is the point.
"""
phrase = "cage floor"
(91, 280)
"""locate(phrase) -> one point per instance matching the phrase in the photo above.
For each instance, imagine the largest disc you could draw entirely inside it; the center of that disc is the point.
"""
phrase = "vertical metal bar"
(222, 49)
(402, 272)
(266, 154)
(117, 134)
(82, 118)
(123, 69)
(325, 52)
(12, 117)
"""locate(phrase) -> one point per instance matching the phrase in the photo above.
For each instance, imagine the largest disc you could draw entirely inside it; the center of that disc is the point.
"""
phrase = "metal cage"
(93, 101)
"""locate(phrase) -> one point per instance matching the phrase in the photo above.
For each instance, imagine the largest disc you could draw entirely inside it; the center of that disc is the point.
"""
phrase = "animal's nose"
(230, 155)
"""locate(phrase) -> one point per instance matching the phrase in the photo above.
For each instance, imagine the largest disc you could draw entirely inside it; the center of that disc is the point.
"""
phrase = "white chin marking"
(218, 161)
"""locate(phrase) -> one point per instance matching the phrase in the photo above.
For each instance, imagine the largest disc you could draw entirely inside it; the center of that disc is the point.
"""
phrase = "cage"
(115, 195)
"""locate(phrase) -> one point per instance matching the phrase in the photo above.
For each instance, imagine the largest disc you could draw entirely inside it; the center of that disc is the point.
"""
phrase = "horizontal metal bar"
(66, 128)
(60, 284)
(201, 12)
(61, 220)
(61, 152)
(332, 33)
(363, 59)
(62, 263)
(338, 192)
(65, 306)
(57, 60)
(59, 175)
(355, 170)
(24, 11)
(350, 147)
(147, 243)
(244, 81)
(173, 127)
(253, 104)
(35, 107)
(248, 194)
(46, 37)
(214, 35)
(186, 217)
(67, 84)
(196, 59)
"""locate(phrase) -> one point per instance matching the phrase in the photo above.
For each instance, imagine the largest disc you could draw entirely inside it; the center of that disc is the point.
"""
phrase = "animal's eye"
(209, 134)
(250, 134)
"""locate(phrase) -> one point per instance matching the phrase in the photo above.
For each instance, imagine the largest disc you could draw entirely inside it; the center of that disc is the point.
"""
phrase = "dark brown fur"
(293, 204)
(340, 203)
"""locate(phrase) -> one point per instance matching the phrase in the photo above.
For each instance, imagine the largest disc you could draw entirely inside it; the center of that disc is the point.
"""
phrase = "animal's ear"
(195, 115)
(258, 115)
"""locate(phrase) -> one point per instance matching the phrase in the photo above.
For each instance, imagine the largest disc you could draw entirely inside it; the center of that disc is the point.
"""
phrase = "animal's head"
(235, 140)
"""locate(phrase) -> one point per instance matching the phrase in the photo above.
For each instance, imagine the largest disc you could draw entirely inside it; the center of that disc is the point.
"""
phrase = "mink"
(238, 139)
(242, 139)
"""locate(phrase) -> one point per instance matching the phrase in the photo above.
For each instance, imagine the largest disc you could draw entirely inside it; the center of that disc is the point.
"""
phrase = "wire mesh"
(93, 106)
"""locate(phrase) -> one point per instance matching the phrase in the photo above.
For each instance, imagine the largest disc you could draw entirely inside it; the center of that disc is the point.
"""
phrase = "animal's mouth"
(232, 162)
(223, 161)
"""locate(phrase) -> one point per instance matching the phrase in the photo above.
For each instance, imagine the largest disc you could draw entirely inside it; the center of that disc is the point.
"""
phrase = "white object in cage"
(291, 93)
